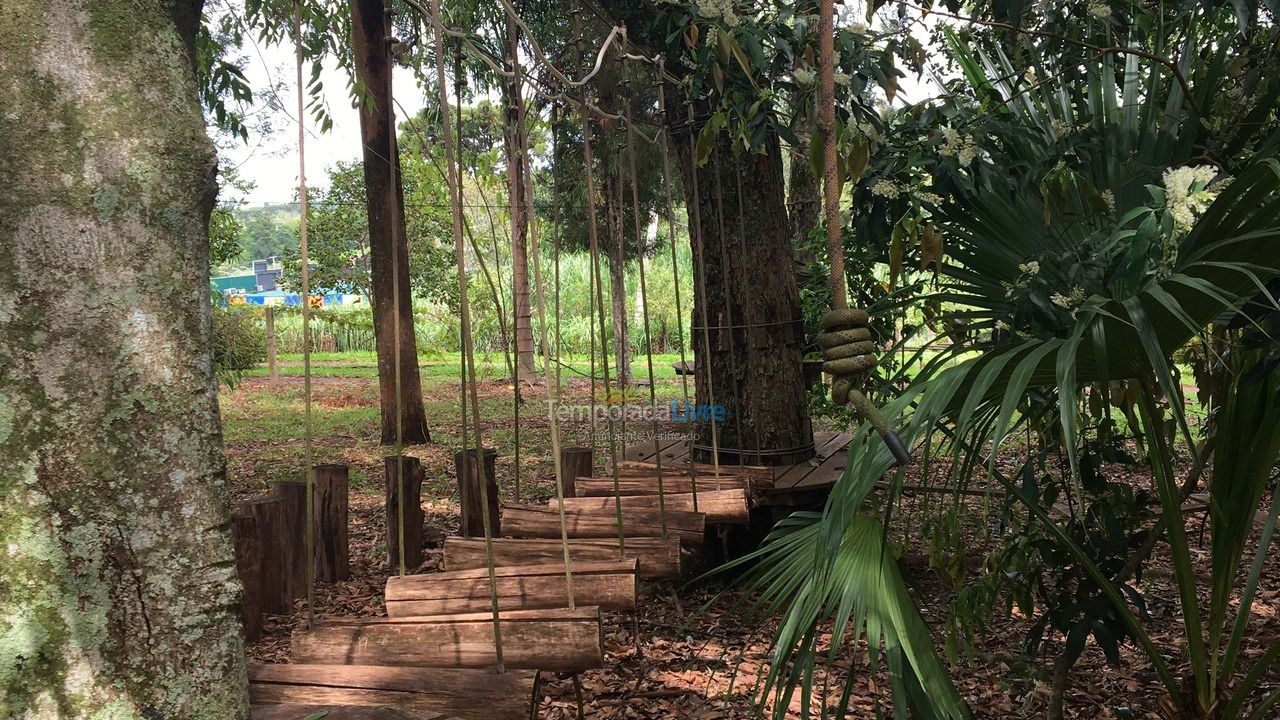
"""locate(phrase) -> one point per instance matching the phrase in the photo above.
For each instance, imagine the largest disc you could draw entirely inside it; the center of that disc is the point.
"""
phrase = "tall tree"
(517, 147)
(388, 249)
(117, 590)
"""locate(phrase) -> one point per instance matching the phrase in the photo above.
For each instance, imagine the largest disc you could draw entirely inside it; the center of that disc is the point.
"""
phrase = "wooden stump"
(333, 561)
(724, 507)
(469, 479)
(290, 540)
(576, 462)
(274, 592)
(609, 586)
(538, 521)
(248, 551)
(658, 558)
(450, 693)
(551, 640)
(413, 515)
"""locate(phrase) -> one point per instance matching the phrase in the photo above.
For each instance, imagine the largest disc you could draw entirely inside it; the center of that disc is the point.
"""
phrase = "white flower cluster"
(1099, 10)
(723, 9)
(1187, 193)
(958, 145)
(1109, 198)
(1070, 300)
(887, 189)
(803, 77)
(931, 198)
(1027, 272)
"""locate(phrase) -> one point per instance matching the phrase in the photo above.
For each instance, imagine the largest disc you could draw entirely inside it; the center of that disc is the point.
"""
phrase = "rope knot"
(848, 352)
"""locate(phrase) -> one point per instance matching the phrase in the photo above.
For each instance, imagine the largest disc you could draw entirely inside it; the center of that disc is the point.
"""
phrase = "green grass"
(445, 367)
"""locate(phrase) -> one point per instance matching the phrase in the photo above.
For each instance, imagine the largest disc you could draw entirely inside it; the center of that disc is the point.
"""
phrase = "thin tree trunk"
(618, 281)
(516, 141)
(369, 48)
(118, 588)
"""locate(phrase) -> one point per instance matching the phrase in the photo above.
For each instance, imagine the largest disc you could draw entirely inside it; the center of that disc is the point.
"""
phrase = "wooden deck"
(817, 474)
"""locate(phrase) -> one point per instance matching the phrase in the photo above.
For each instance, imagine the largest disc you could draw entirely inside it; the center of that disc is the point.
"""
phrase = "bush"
(239, 343)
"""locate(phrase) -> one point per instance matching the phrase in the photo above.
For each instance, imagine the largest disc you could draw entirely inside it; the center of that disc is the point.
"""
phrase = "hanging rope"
(515, 174)
(552, 380)
(307, 457)
(455, 194)
(594, 244)
(696, 213)
(393, 216)
(846, 341)
(675, 270)
(644, 303)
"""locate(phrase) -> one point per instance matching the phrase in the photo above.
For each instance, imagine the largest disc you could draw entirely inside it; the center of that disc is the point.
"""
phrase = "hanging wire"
(465, 313)
(307, 450)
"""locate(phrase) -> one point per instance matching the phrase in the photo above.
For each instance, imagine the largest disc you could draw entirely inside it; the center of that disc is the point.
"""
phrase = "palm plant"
(1068, 268)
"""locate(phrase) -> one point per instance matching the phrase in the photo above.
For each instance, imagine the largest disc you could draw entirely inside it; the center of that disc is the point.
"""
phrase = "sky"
(271, 162)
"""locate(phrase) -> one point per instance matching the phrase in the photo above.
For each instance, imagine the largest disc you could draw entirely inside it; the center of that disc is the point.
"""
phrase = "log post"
(333, 562)
(290, 539)
(576, 462)
(248, 550)
(272, 369)
(413, 516)
(469, 492)
(266, 512)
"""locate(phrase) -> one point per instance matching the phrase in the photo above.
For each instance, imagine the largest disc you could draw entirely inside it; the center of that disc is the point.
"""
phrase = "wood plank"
(553, 640)
(611, 586)
(657, 558)
(297, 711)
(830, 469)
(449, 692)
(720, 506)
(645, 452)
(756, 473)
(536, 521)
(826, 444)
(648, 485)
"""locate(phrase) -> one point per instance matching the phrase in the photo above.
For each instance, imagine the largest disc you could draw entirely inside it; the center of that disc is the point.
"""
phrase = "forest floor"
(687, 662)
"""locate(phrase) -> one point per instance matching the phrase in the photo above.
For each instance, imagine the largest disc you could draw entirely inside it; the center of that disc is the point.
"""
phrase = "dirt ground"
(674, 659)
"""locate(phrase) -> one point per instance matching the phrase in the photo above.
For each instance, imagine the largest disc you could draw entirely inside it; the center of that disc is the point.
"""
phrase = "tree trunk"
(118, 590)
(618, 280)
(804, 201)
(752, 304)
(388, 246)
(516, 141)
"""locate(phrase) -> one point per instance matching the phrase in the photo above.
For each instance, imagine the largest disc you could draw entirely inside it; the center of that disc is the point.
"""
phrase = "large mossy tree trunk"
(388, 245)
(118, 592)
(755, 330)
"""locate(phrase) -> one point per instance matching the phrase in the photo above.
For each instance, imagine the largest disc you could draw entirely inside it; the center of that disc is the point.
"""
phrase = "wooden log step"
(463, 694)
(536, 521)
(720, 506)
(609, 585)
(295, 711)
(657, 558)
(755, 473)
(553, 640)
(648, 485)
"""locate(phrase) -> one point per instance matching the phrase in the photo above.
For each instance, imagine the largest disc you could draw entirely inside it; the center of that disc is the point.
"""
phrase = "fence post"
(273, 370)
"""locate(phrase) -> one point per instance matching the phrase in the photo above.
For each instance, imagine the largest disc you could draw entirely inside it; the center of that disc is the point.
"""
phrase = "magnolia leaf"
(895, 253)
(691, 37)
(706, 140)
(859, 157)
(816, 148)
(930, 247)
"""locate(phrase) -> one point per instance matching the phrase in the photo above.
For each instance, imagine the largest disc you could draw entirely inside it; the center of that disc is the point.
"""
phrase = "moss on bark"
(117, 584)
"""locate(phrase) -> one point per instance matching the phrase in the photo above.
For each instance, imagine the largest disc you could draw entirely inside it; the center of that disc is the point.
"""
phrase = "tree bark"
(386, 224)
(118, 590)
(526, 369)
(752, 303)
(615, 250)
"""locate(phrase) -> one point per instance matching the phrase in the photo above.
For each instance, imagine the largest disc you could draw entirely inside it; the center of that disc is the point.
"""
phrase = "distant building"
(267, 274)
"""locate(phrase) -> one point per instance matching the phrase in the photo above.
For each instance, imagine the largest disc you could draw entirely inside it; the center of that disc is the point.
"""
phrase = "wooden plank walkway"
(819, 473)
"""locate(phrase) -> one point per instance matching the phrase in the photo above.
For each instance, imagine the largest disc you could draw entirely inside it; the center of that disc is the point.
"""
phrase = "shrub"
(239, 343)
